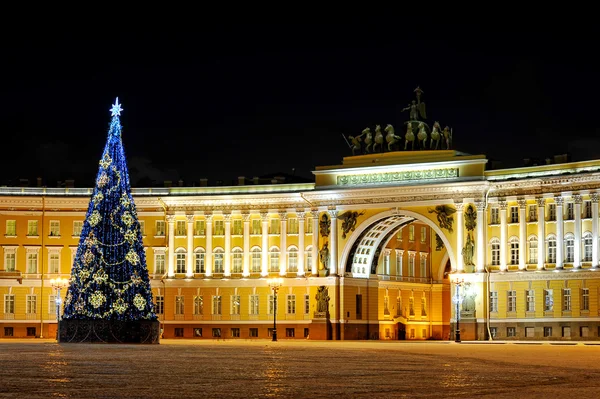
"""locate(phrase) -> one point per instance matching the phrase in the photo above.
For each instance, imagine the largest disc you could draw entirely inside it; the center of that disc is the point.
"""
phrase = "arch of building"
(381, 225)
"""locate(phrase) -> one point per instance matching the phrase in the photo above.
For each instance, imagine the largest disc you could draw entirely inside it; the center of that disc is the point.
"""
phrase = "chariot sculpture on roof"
(417, 133)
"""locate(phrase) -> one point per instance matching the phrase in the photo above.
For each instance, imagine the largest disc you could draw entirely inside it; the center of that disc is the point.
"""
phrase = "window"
(293, 260)
(570, 211)
(423, 265)
(219, 228)
(180, 228)
(511, 303)
(32, 227)
(494, 301)
(566, 300)
(178, 332)
(256, 230)
(198, 332)
(254, 304)
(533, 250)
(11, 228)
(547, 332)
(9, 303)
(200, 228)
(291, 304)
(306, 332)
(54, 228)
(142, 228)
(533, 213)
(31, 304)
(514, 251)
(529, 332)
(199, 261)
(235, 332)
(198, 305)
(271, 304)
(530, 304)
(159, 262)
(160, 228)
(274, 260)
(495, 252)
(552, 212)
(399, 305)
(423, 235)
(77, 227)
(216, 305)
(256, 260)
(274, 226)
(399, 255)
(32, 261)
(566, 331)
(8, 331)
(306, 304)
(216, 333)
(495, 217)
(411, 233)
(235, 304)
(423, 306)
(511, 331)
(584, 331)
(514, 214)
(411, 264)
(180, 263)
(237, 260)
(548, 300)
(54, 262)
(179, 305)
(31, 331)
(293, 226)
(587, 209)
(587, 247)
(52, 305)
(10, 259)
(218, 259)
(585, 299)
(309, 225)
(160, 304)
(569, 249)
(552, 249)
(494, 332)
(237, 227)
(290, 332)
(253, 332)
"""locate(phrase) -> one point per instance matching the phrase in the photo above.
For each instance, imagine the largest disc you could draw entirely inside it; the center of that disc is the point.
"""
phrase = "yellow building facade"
(384, 246)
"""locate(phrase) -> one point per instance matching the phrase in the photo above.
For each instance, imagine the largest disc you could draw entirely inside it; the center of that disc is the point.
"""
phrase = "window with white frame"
(587, 247)
(411, 233)
(494, 216)
(256, 260)
(514, 250)
(198, 305)
(237, 260)
(306, 304)
(256, 229)
(411, 264)
(180, 228)
(494, 301)
(551, 254)
(292, 226)
(199, 266)
(548, 300)
(219, 228)
(308, 256)
(569, 248)
(291, 304)
(52, 305)
(31, 304)
(511, 303)
(179, 304)
(514, 214)
(423, 234)
(32, 260)
(9, 303)
(216, 304)
(587, 209)
(160, 228)
(423, 265)
(570, 211)
(237, 227)
(180, 263)
(160, 304)
(585, 299)
(530, 304)
(271, 305)
(253, 309)
(423, 306)
(11, 228)
(77, 227)
(399, 255)
(235, 304)
(292, 260)
(533, 213)
(399, 304)
(218, 257)
(54, 228)
(386, 305)
(54, 261)
(533, 249)
(274, 259)
(495, 244)
(309, 225)
(274, 226)
(10, 259)
(551, 212)
(411, 306)
(566, 300)
(32, 227)
(200, 228)
(159, 261)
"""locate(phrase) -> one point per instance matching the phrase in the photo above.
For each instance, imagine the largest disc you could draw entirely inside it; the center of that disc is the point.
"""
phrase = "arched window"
(180, 260)
(199, 256)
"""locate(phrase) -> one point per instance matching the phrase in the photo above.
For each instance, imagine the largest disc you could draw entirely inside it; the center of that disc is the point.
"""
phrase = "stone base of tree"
(110, 331)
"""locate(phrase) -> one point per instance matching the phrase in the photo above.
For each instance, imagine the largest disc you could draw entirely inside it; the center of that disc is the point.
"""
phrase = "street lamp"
(457, 300)
(275, 283)
(58, 283)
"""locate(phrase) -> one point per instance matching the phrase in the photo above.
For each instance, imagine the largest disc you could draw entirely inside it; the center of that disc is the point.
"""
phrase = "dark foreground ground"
(298, 369)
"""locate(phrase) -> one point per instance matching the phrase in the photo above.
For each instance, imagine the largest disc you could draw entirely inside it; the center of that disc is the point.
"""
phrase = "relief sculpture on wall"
(348, 219)
(444, 212)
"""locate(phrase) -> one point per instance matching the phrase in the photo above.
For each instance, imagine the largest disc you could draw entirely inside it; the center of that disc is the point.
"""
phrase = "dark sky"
(219, 103)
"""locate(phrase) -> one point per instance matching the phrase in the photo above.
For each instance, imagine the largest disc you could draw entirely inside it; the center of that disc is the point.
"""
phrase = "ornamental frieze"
(400, 176)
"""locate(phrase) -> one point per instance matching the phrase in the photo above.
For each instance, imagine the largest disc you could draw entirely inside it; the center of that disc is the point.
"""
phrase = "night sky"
(218, 103)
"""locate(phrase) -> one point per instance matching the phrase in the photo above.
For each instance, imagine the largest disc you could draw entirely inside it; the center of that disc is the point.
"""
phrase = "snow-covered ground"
(297, 369)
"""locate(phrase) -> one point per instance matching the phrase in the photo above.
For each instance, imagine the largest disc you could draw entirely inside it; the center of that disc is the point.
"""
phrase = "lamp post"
(275, 283)
(458, 300)
(58, 283)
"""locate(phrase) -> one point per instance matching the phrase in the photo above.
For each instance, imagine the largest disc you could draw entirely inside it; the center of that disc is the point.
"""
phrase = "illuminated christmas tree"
(109, 298)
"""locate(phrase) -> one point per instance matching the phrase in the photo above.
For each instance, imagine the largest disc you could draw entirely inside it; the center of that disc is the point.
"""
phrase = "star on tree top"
(116, 108)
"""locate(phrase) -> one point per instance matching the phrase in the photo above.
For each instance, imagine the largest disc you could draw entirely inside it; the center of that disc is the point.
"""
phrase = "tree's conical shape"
(109, 279)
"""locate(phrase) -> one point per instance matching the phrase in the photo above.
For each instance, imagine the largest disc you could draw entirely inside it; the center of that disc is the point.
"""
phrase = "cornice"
(567, 274)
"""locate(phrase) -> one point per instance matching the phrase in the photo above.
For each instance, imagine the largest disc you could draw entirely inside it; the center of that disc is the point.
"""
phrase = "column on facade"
(301, 222)
(522, 233)
(264, 217)
(481, 226)
(459, 236)
(503, 233)
(283, 243)
(577, 231)
(247, 254)
(333, 269)
(594, 198)
(560, 236)
(208, 264)
(227, 260)
(171, 249)
(315, 242)
(541, 204)
(190, 246)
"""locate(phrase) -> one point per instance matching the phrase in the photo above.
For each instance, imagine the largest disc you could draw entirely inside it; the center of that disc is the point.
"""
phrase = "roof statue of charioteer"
(416, 128)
